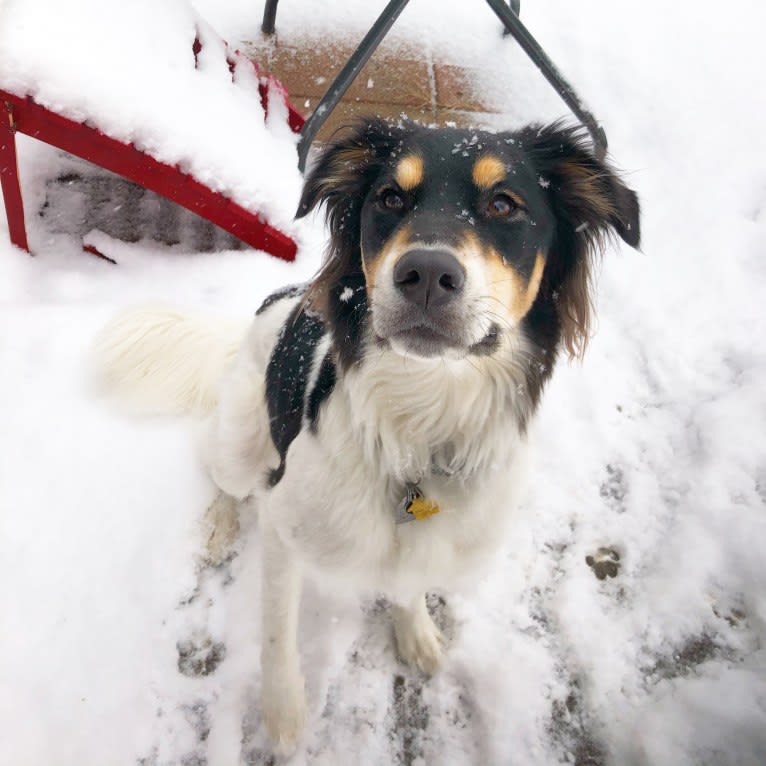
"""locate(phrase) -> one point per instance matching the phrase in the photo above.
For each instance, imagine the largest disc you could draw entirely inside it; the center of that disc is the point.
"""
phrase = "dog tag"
(415, 507)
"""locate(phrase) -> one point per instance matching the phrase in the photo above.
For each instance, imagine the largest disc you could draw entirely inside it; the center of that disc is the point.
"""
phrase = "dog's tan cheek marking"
(393, 249)
(370, 266)
(409, 172)
(469, 250)
(533, 286)
(488, 171)
(503, 285)
(511, 289)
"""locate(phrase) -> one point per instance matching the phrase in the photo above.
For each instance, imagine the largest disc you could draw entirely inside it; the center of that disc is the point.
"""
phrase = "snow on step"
(129, 70)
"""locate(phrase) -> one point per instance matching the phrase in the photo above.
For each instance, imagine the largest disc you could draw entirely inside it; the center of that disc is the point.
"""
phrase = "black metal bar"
(516, 8)
(346, 76)
(532, 48)
(269, 17)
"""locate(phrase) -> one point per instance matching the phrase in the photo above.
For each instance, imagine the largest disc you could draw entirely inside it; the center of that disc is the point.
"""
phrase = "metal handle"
(346, 76)
(269, 17)
(508, 15)
(532, 48)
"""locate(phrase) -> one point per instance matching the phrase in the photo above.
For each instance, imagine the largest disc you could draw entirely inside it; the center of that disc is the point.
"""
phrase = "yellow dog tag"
(422, 508)
(415, 507)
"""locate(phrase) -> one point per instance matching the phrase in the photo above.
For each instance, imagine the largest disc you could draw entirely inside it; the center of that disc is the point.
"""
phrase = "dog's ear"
(340, 180)
(590, 203)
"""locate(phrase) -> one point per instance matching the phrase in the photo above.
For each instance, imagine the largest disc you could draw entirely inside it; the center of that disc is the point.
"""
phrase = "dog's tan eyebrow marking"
(409, 172)
(488, 171)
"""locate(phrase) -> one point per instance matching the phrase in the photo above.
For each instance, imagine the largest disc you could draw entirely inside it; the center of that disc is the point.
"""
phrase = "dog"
(378, 415)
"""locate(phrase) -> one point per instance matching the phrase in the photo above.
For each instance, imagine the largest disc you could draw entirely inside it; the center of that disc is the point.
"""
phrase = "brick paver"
(397, 80)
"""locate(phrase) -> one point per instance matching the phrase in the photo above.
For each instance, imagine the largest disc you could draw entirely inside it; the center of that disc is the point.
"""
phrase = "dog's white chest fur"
(338, 510)
(450, 427)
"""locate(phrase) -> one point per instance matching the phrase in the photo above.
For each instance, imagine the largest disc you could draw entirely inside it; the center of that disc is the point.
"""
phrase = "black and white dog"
(377, 415)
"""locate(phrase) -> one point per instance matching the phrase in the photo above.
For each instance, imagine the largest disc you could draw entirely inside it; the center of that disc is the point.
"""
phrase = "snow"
(130, 70)
(653, 448)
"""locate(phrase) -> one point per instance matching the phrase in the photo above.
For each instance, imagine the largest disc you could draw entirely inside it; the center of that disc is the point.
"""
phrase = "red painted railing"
(24, 115)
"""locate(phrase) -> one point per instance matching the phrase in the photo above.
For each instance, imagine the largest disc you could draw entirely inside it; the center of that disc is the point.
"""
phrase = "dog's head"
(449, 239)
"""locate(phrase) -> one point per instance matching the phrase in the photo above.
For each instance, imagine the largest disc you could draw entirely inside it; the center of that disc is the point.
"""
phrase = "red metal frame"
(9, 178)
(24, 115)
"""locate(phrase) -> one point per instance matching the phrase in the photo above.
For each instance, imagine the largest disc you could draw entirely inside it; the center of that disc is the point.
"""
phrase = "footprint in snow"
(605, 562)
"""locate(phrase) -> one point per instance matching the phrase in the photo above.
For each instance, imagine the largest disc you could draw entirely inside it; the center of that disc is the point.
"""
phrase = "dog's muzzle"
(422, 309)
(429, 283)
(429, 278)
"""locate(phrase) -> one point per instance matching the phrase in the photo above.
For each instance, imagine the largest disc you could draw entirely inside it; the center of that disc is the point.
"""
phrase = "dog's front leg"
(418, 639)
(282, 692)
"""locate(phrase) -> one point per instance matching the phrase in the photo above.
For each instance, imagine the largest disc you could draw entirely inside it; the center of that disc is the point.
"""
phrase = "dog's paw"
(221, 527)
(283, 703)
(418, 640)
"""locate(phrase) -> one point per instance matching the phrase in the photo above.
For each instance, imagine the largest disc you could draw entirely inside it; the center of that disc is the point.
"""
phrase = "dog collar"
(415, 507)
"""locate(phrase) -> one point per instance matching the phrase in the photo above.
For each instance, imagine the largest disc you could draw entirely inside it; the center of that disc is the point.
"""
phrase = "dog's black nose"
(429, 277)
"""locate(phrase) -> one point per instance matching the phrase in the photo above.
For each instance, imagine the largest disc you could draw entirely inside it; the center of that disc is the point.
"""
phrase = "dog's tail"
(160, 360)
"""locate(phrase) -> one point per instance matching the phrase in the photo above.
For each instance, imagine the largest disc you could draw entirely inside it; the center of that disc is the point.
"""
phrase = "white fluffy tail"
(160, 360)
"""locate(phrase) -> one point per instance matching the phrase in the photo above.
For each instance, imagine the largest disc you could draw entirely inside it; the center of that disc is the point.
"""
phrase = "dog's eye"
(391, 200)
(501, 206)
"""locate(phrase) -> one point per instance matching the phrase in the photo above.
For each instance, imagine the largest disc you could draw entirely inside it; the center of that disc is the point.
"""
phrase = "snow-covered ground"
(117, 646)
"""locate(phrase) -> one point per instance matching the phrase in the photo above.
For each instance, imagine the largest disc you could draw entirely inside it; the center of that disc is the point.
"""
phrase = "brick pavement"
(398, 79)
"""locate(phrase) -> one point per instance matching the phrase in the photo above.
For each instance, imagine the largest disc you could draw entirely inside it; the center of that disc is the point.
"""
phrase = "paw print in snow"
(199, 657)
(605, 562)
